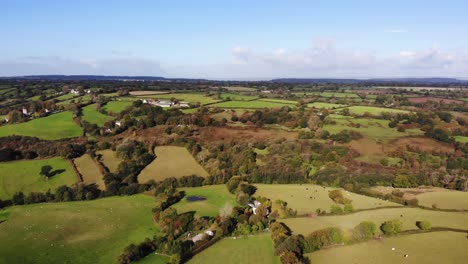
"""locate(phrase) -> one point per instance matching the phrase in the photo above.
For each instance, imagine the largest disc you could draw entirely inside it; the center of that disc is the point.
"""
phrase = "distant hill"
(96, 78)
(422, 81)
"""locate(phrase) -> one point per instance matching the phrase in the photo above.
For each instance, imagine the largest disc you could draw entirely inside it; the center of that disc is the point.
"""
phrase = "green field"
(435, 247)
(75, 232)
(306, 198)
(237, 97)
(444, 200)
(110, 160)
(218, 198)
(186, 97)
(83, 99)
(171, 162)
(56, 126)
(24, 176)
(250, 104)
(281, 101)
(90, 171)
(325, 105)
(329, 94)
(376, 129)
(117, 106)
(91, 115)
(154, 259)
(361, 110)
(253, 249)
(34, 98)
(66, 97)
(461, 139)
(408, 216)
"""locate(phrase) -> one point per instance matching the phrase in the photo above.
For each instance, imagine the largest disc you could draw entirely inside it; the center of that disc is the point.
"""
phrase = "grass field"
(281, 101)
(325, 105)
(253, 249)
(24, 176)
(240, 88)
(435, 247)
(217, 198)
(110, 160)
(91, 115)
(408, 216)
(360, 110)
(34, 98)
(76, 99)
(154, 259)
(306, 198)
(56, 126)
(90, 171)
(329, 94)
(117, 106)
(186, 97)
(250, 104)
(376, 129)
(171, 162)
(75, 232)
(444, 200)
(461, 139)
(237, 97)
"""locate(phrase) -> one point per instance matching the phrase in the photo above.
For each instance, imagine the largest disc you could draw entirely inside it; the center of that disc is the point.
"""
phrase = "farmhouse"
(164, 103)
(202, 235)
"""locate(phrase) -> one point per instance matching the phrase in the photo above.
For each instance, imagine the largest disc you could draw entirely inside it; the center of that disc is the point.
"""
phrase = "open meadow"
(325, 105)
(91, 115)
(237, 97)
(445, 200)
(434, 247)
(171, 162)
(24, 176)
(117, 106)
(252, 249)
(89, 171)
(110, 160)
(408, 216)
(251, 104)
(210, 200)
(53, 127)
(75, 232)
(361, 110)
(307, 198)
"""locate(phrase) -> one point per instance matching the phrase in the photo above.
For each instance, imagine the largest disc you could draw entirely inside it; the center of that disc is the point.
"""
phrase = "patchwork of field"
(281, 101)
(408, 216)
(376, 129)
(240, 88)
(117, 106)
(171, 162)
(53, 127)
(110, 160)
(186, 97)
(75, 232)
(361, 110)
(252, 249)
(237, 97)
(218, 200)
(325, 105)
(90, 171)
(435, 247)
(24, 176)
(252, 104)
(91, 115)
(306, 198)
(136, 93)
(329, 94)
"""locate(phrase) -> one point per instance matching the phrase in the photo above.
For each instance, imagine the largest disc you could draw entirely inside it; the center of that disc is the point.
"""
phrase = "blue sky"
(237, 39)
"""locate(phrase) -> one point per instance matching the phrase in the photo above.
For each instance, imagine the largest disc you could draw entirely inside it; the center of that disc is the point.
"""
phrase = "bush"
(423, 225)
(336, 210)
(391, 227)
(348, 208)
(322, 238)
(364, 231)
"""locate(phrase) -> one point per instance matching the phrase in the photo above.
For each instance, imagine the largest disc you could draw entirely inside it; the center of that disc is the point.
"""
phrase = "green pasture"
(55, 126)
(75, 232)
(325, 105)
(93, 116)
(117, 106)
(24, 176)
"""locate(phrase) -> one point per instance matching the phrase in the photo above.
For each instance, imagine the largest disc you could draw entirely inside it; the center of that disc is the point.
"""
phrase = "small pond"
(193, 198)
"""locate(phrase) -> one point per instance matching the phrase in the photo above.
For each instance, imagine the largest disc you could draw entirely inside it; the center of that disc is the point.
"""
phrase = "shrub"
(336, 209)
(364, 231)
(322, 238)
(391, 227)
(348, 208)
(423, 225)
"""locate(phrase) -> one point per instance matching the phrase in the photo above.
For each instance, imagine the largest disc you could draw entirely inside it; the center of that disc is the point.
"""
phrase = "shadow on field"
(55, 172)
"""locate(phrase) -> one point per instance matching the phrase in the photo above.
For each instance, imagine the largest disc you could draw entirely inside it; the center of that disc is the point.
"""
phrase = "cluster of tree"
(323, 238)
(288, 247)
(78, 192)
(135, 156)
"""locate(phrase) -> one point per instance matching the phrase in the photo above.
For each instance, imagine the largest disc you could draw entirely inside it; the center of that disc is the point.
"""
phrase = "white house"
(202, 235)
(184, 104)
(118, 123)
(73, 91)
